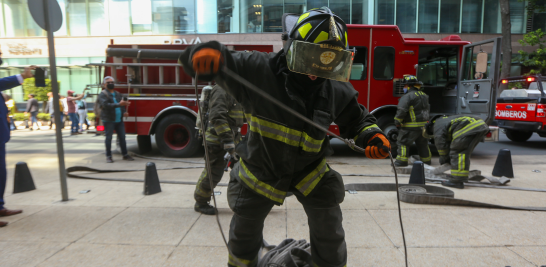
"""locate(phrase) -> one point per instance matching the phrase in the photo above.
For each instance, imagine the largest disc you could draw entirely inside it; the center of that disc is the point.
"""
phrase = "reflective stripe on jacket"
(413, 109)
(450, 131)
(281, 151)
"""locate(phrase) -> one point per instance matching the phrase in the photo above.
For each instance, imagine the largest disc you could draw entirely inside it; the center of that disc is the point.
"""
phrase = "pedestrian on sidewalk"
(32, 107)
(71, 103)
(113, 109)
(5, 84)
(51, 110)
(82, 112)
(64, 114)
(10, 103)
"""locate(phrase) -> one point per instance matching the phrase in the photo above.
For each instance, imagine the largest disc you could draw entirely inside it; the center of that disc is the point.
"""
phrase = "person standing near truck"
(455, 138)
(225, 119)
(412, 113)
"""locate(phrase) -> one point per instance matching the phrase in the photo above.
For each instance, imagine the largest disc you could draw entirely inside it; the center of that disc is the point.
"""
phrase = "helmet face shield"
(321, 60)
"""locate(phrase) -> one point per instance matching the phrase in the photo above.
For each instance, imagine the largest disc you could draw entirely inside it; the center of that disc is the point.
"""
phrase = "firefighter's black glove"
(378, 147)
(229, 147)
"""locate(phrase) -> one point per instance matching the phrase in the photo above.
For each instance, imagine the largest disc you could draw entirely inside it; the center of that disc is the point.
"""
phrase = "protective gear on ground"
(282, 153)
(378, 147)
(226, 118)
(411, 116)
(327, 236)
(455, 138)
(317, 45)
(207, 61)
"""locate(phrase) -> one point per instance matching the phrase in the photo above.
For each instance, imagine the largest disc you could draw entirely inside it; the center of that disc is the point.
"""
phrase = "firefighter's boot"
(204, 208)
(399, 163)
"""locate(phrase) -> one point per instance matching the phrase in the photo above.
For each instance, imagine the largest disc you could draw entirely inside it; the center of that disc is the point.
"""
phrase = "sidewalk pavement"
(114, 224)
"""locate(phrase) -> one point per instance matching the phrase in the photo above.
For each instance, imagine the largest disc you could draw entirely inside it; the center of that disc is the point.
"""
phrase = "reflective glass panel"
(119, 17)
(77, 18)
(449, 16)
(383, 66)
(162, 17)
(141, 16)
(98, 18)
(406, 15)
(360, 61)
(251, 16)
(359, 10)
(428, 16)
(384, 12)
(294, 6)
(342, 9)
(316, 3)
(491, 17)
(472, 16)
(14, 17)
(273, 10)
(517, 16)
(225, 16)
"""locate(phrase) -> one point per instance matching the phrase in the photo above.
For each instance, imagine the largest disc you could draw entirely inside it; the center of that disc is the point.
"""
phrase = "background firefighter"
(455, 138)
(226, 118)
(411, 115)
(281, 153)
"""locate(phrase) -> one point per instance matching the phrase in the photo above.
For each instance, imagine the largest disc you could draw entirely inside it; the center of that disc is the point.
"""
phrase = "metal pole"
(56, 108)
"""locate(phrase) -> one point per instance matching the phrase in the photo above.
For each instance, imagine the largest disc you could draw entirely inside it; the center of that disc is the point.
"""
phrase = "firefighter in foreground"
(455, 138)
(281, 153)
(411, 116)
(225, 119)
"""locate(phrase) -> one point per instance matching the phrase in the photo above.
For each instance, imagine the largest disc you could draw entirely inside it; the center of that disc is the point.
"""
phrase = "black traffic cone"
(417, 175)
(23, 179)
(503, 165)
(151, 180)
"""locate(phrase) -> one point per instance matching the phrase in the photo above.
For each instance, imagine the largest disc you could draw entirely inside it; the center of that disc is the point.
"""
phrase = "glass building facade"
(175, 17)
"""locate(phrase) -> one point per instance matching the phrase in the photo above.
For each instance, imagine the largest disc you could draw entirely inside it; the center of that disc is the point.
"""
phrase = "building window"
(294, 6)
(119, 13)
(273, 10)
(360, 62)
(428, 16)
(225, 16)
(384, 12)
(472, 16)
(342, 8)
(251, 16)
(383, 63)
(14, 17)
(517, 16)
(449, 16)
(491, 18)
(77, 17)
(359, 11)
(98, 18)
(406, 15)
(316, 3)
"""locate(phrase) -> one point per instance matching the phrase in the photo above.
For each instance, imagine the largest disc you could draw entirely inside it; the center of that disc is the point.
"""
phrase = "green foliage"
(40, 92)
(537, 58)
(20, 116)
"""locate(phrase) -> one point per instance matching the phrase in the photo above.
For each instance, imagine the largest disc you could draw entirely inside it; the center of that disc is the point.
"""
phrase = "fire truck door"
(479, 79)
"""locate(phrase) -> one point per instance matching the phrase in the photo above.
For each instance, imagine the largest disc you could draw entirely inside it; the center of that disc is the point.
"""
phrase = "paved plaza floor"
(114, 224)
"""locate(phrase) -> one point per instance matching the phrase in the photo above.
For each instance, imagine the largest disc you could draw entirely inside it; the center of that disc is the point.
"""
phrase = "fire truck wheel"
(386, 123)
(144, 143)
(518, 136)
(175, 136)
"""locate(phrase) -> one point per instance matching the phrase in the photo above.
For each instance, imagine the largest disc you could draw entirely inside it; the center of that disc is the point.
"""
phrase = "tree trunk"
(506, 42)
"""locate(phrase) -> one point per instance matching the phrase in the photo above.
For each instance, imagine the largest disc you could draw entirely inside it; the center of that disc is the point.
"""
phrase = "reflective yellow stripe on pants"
(260, 187)
(460, 171)
(402, 156)
(235, 262)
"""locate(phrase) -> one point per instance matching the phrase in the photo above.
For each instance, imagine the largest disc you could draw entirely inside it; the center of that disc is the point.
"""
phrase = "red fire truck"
(521, 112)
(458, 76)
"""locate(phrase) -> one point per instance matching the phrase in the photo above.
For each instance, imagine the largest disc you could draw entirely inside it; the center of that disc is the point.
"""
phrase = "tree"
(40, 93)
(506, 40)
(536, 59)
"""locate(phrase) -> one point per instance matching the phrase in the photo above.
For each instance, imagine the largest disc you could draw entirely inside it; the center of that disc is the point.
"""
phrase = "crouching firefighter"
(411, 115)
(455, 138)
(281, 153)
(225, 119)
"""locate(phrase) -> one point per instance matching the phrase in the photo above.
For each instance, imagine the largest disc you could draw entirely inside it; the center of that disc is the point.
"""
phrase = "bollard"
(503, 165)
(151, 180)
(23, 179)
(417, 175)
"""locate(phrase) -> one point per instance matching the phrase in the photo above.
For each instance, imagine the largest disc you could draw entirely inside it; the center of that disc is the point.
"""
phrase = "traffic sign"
(36, 8)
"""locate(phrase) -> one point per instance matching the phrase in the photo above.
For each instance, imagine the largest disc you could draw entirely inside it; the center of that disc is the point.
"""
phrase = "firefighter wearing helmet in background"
(411, 115)
(455, 138)
(225, 119)
(280, 152)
